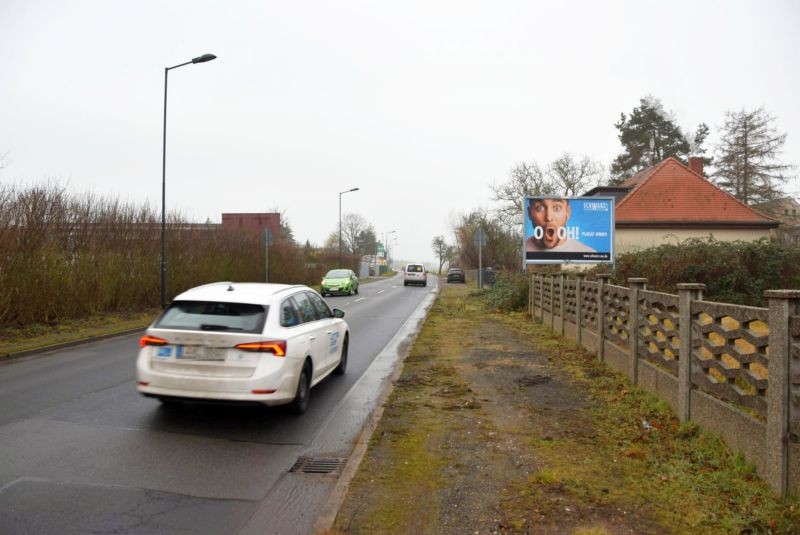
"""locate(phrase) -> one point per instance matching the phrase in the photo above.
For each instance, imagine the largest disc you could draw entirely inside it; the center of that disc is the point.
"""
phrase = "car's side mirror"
(338, 313)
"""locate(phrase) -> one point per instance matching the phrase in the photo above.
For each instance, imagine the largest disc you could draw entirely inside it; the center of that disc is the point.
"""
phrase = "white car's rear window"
(213, 316)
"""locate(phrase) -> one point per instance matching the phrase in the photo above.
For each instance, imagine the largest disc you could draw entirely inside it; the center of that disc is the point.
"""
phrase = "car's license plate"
(201, 353)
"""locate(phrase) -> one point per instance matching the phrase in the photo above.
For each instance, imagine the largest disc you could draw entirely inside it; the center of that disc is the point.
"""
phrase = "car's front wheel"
(301, 397)
(342, 367)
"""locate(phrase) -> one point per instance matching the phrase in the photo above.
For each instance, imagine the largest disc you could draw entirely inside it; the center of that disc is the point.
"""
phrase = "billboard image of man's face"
(550, 217)
(575, 229)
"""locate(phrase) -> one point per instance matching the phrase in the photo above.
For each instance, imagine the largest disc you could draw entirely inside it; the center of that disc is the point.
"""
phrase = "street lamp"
(340, 222)
(388, 259)
(386, 247)
(200, 59)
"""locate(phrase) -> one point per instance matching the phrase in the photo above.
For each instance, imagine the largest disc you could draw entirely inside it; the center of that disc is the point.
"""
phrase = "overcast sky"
(420, 104)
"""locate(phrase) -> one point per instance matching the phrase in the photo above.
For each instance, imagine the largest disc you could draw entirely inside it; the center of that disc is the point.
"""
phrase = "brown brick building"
(253, 221)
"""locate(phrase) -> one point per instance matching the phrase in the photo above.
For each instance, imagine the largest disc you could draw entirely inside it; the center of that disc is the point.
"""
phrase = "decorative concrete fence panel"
(589, 302)
(732, 369)
(617, 312)
(659, 323)
(570, 300)
(731, 360)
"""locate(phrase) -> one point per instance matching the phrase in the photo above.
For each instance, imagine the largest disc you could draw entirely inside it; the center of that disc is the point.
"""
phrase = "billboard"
(569, 229)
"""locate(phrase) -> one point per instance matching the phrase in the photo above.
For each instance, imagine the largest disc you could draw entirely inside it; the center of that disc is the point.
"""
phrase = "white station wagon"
(245, 342)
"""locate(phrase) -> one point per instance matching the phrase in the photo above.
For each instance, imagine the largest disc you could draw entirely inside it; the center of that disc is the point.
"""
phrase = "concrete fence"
(734, 370)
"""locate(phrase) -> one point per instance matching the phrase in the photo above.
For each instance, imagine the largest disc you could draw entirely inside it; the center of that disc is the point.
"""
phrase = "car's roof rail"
(213, 284)
(293, 286)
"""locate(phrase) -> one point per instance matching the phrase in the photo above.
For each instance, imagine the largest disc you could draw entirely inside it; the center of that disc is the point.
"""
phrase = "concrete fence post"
(782, 304)
(541, 298)
(530, 294)
(601, 315)
(687, 292)
(562, 297)
(579, 305)
(553, 301)
(636, 284)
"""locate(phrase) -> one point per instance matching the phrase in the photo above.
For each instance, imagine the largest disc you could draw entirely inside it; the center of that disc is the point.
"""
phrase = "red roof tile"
(672, 193)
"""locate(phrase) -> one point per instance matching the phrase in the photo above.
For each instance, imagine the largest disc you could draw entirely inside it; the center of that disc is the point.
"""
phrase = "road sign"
(480, 238)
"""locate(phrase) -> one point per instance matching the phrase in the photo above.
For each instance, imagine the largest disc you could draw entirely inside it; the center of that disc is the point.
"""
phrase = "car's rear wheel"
(301, 397)
(356, 289)
(342, 367)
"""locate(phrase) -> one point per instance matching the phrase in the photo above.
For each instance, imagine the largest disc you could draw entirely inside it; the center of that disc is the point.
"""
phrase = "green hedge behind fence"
(65, 256)
(734, 272)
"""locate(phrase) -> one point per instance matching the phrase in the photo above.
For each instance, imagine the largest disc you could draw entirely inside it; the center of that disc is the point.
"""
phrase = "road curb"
(8, 357)
(336, 498)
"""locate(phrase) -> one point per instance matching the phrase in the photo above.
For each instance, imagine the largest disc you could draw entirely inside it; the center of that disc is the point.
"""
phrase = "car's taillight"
(148, 340)
(276, 347)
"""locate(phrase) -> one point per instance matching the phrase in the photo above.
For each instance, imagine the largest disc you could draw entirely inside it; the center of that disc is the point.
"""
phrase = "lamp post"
(394, 242)
(386, 246)
(200, 59)
(340, 222)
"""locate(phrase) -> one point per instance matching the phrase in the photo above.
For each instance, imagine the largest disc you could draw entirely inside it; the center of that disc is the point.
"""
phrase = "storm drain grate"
(312, 465)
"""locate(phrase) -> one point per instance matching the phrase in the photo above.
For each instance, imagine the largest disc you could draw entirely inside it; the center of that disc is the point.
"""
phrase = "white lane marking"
(359, 299)
(395, 286)
(381, 291)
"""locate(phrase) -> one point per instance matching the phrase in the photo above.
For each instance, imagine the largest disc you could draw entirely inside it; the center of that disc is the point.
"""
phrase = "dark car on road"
(455, 275)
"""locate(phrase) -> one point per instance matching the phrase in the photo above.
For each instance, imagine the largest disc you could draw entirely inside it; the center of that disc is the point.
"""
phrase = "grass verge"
(498, 425)
(40, 336)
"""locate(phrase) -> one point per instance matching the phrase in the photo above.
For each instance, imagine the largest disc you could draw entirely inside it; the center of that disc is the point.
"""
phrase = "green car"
(339, 281)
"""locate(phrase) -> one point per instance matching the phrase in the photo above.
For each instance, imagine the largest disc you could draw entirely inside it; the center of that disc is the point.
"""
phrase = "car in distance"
(339, 281)
(415, 274)
(455, 275)
(242, 342)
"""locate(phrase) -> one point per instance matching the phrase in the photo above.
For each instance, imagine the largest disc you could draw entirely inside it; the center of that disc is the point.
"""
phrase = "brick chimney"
(696, 164)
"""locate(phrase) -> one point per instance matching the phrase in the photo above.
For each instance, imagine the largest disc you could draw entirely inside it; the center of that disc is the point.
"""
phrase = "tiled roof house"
(671, 202)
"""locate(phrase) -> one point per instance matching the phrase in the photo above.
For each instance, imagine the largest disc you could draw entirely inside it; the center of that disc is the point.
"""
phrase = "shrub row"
(65, 256)
(734, 272)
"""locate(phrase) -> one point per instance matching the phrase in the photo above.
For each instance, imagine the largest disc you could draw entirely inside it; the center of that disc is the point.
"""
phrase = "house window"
(785, 211)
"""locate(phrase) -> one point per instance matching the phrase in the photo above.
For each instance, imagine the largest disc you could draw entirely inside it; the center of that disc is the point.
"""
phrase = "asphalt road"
(82, 452)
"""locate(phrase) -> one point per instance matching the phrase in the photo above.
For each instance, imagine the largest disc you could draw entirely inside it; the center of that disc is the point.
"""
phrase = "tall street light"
(340, 222)
(386, 247)
(201, 59)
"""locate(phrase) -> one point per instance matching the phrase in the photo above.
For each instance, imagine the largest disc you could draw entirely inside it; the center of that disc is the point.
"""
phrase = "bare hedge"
(67, 256)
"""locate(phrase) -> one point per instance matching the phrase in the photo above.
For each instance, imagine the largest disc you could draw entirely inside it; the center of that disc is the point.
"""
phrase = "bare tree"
(442, 250)
(747, 157)
(525, 180)
(572, 176)
(356, 234)
(566, 176)
(502, 249)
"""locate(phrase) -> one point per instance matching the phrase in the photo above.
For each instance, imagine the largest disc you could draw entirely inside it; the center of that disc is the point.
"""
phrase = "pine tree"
(747, 157)
(651, 122)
